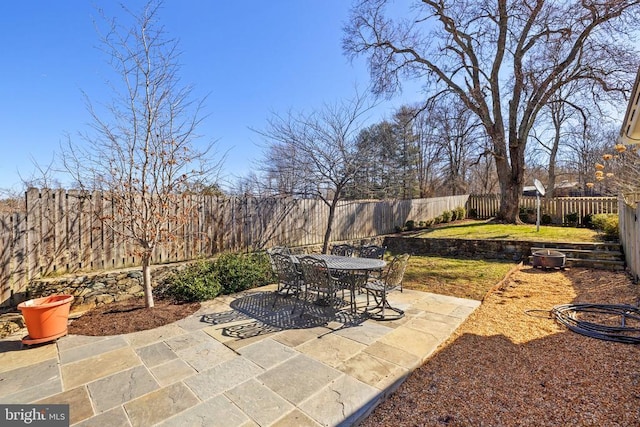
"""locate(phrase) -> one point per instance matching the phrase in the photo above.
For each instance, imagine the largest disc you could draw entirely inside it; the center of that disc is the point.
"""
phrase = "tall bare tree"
(564, 124)
(503, 59)
(316, 155)
(456, 132)
(141, 149)
(429, 152)
(406, 152)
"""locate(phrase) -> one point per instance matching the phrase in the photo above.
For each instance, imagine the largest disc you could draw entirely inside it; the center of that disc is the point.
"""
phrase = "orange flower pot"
(46, 318)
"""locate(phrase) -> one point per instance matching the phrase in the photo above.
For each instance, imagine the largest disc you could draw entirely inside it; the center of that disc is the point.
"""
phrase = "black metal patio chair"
(290, 282)
(373, 252)
(379, 289)
(319, 281)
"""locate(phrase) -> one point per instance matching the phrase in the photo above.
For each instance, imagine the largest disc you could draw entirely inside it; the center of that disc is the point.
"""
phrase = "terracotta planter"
(46, 318)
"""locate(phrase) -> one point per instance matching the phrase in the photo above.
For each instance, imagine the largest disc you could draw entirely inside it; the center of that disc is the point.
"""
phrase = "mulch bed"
(130, 316)
(512, 364)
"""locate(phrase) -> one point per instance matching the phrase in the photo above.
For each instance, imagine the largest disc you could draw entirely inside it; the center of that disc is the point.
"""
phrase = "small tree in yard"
(317, 155)
(141, 153)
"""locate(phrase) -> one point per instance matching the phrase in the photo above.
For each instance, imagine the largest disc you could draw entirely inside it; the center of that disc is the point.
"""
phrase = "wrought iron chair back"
(395, 273)
(317, 277)
(289, 278)
(279, 250)
(379, 289)
(343, 250)
(276, 250)
(372, 251)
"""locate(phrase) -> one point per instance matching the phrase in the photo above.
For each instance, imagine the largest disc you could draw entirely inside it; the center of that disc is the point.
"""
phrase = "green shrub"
(587, 220)
(527, 215)
(410, 225)
(446, 216)
(461, 212)
(606, 224)
(545, 219)
(454, 215)
(238, 272)
(197, 282)
(473, 213)
(571, 218)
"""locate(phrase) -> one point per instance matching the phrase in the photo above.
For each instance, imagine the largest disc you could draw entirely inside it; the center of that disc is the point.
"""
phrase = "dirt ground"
(512, 364)
(129, 316)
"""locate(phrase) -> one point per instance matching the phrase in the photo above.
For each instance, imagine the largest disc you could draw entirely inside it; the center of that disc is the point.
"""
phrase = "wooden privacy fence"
(628, 214)
(68, 231)
(487, 206)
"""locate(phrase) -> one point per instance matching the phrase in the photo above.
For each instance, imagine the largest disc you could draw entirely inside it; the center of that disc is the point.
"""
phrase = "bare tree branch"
(505, 60)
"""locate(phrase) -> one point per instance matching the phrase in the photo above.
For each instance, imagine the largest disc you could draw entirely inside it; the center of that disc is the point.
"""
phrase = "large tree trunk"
(558, 119)
(146, 279)
(327, 233)
(511, 178)
(510, 204)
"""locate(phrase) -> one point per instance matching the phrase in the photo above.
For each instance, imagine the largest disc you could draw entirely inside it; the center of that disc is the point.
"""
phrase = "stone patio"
(239, 361)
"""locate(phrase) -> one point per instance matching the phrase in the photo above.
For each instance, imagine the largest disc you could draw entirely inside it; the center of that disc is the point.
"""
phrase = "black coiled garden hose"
(626, 332)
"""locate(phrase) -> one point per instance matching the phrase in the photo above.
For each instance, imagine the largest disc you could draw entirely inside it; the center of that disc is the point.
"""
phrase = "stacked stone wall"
(95, 289)
(486, 249)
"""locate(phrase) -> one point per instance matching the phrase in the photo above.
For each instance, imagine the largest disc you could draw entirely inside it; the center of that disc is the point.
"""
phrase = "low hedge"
(227, 274)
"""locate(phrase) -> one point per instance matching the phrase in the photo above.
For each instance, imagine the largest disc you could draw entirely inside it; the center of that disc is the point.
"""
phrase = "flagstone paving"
(237, 362)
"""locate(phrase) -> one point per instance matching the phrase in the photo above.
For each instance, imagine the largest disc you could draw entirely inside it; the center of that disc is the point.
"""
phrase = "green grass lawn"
(472, 278)
(459, 277)
(482, 230)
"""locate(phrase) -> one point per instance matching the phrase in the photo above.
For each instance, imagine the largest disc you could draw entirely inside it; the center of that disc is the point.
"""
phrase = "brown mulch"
(512, 364)
(130, 316)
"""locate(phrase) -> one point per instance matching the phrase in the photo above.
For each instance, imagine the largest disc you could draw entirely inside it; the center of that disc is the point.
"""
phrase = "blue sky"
(251, 57)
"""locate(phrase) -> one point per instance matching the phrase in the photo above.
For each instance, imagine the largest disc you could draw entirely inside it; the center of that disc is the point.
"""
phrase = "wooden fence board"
(6, 255)
(629, 227)
(95, 212)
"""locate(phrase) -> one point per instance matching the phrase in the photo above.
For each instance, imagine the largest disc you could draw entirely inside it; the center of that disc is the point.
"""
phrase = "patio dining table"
(355, 269)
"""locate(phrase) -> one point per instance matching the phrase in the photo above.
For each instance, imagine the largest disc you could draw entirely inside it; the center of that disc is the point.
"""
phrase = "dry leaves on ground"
(512, 364)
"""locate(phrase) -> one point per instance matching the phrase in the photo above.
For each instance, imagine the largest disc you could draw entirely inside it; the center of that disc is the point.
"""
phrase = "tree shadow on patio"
(263, 313)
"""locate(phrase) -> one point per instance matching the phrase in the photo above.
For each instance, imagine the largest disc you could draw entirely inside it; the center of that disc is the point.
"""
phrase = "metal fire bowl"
(549, 259)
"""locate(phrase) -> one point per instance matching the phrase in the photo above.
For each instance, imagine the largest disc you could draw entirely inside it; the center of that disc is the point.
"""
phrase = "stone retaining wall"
(99, 288)
(487, 249)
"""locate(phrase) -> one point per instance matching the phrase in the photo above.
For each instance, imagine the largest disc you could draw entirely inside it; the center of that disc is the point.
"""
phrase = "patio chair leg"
(382, 305)
(300, 301)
